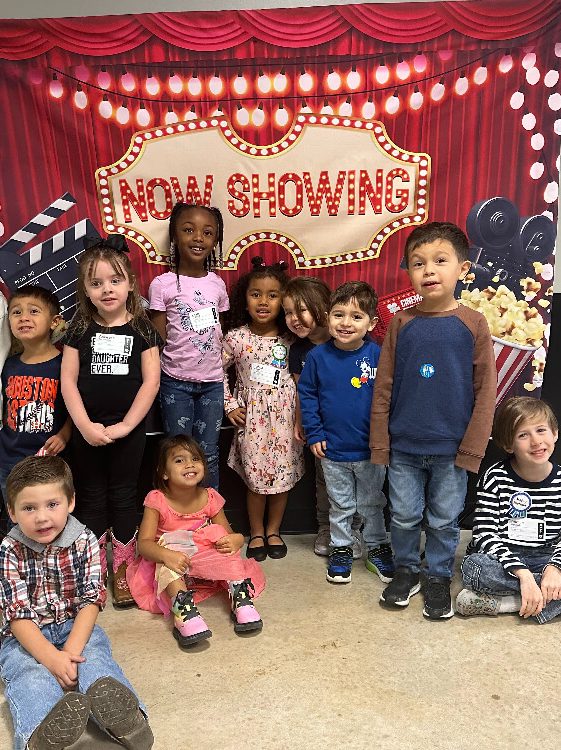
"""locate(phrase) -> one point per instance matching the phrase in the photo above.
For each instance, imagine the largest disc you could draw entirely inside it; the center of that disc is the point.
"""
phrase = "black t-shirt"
(110, 372)
(33, 407)
(297, 355)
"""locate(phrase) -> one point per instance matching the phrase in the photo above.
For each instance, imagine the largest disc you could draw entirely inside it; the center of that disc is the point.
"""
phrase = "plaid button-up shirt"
(49, 583)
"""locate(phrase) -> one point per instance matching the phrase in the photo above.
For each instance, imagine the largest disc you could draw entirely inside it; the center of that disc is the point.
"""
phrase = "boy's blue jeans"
(355, 487)
(32, 691)
(429, 492)
(194, 409)
(485, 574)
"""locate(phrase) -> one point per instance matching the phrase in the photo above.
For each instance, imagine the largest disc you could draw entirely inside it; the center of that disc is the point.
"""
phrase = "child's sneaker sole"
(338, 578)
(401, 602)
(438, 615)
(190, 640)
(374, 569)
(115, 708)
(246, 627)
(63, 725)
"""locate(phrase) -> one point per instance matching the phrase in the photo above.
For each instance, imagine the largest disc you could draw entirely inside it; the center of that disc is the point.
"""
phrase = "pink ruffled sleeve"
(215, 502)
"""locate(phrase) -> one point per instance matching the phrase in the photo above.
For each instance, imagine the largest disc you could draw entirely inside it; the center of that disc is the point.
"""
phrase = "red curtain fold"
(286, 28)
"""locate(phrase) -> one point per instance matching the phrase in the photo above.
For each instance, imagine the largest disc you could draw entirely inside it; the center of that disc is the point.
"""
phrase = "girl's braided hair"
(238, 314)
(211, 261)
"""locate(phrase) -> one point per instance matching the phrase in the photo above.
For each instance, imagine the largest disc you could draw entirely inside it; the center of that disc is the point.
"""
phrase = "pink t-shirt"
(193, 349)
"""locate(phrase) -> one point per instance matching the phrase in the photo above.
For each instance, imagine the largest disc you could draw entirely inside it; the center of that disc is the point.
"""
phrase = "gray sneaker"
(322, 543)
(470, 603)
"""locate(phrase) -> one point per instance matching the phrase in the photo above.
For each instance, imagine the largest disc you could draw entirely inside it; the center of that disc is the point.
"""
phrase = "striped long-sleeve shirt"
(503, 498)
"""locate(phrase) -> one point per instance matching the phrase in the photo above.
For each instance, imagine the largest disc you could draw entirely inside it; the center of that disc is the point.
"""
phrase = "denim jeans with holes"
(485, 574)
(194, 409)
(425, 492)
(32, 691)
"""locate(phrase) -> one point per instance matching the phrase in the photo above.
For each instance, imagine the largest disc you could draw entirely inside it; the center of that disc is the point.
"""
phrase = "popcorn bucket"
(510, 359)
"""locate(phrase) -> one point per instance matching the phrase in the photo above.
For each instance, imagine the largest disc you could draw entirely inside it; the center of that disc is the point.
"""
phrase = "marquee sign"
(331, 191)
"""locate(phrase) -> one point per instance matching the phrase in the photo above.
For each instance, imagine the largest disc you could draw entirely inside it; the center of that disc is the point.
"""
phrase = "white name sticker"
(207, 317)
(112, 343)
(526, 530)
(266, 374)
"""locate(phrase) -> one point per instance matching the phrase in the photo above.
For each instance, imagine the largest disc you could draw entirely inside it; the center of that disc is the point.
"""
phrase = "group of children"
(307, 371)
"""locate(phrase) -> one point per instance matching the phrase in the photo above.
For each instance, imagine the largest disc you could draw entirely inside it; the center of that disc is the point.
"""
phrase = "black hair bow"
(115, 241)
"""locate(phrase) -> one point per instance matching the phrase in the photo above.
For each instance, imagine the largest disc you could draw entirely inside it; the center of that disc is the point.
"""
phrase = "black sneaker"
(380, 561)
(404, 585)
(340, 565)
(438, 604)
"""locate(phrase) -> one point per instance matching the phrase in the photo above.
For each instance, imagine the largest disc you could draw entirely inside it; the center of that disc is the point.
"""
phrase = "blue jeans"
(194, 409)
(485, 574)
(355, 487)
(425, 491)
(32, 691)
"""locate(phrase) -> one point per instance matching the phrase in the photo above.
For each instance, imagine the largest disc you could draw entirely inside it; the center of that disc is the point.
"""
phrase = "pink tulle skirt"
(209, 571)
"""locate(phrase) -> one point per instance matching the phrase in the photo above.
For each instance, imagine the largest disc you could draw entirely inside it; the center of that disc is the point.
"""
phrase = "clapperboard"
(52, 264)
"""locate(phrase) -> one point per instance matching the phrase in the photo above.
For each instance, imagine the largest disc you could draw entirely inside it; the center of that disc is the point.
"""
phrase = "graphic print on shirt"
(111, 353)
(367, 373)
(199, 322)
(31, 403)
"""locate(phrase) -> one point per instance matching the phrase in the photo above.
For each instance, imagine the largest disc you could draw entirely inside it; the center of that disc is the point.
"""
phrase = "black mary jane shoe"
(257, 553)
(276, 551)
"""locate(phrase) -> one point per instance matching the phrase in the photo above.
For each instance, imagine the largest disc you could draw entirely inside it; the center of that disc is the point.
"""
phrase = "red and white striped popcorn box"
(510, 359)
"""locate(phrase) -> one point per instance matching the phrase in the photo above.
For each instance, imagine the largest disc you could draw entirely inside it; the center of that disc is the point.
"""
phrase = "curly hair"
(211, 261)
(238, 314)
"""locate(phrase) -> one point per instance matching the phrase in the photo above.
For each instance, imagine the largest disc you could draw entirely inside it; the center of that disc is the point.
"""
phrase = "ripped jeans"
(194, 409)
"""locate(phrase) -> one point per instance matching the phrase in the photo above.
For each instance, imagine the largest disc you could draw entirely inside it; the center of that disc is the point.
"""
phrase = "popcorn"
(530, 288)
(509, 319)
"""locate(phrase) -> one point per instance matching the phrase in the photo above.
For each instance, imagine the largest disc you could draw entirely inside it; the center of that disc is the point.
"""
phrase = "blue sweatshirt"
(335, 390)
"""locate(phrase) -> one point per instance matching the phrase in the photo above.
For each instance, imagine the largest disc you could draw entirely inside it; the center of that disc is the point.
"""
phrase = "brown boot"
(123, 555)
(63, 725)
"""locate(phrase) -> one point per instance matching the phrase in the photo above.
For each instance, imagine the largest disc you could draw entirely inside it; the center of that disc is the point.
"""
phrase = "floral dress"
(264, 452)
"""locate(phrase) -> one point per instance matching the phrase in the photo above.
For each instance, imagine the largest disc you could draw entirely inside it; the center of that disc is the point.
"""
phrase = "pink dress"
(209, 569)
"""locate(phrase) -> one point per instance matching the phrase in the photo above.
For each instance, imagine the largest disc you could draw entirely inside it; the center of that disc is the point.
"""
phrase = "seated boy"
(432, 414)
(34, 415)
(335, 391)
(513, 563)
(56, 662)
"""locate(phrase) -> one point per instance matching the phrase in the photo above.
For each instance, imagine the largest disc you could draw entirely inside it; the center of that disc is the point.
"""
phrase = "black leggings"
(106, 480)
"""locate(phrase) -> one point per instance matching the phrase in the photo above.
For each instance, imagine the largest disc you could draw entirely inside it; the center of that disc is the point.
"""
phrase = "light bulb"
(304, 108)
(240, 84)
(551, 78)
(420, 62)
(242, 116)
(80, 98)
(551, 193)
(56, 89)
(517, 100)
(194, 85)
(191, 114)
(392, 103)
(280, 81)
(103, 78)
(334, 80)
(402, 71)
(152, 85)
(143, 116)
(437, 91)
(554, 102)
(529, 60)
(382, 73)
(122, 115)
(171, 116)
(175, 83)
(327, 109)
(529, 121)
(557, 127)
(537, 141)
(461, 85)
(281, 116)
(217, 111)
(416, 99)
(258, 116)
(368, 109)
(532, 76)
(536, 170)
(105, 107)
(480, 75)
(216, 85)
(353, 79)
(127, 81)
(263, 83)
(346, 109)
(305, 82)
(506, 63)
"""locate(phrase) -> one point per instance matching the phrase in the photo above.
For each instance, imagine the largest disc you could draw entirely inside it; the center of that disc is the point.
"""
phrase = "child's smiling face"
(298, 320)
(263, 299)
(196, 235)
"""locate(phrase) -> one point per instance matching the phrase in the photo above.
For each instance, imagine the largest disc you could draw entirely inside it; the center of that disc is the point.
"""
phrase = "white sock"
(510, 603)
(231, 585)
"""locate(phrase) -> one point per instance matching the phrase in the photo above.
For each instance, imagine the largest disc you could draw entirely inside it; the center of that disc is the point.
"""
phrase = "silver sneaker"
(470, 603)
(323, 542)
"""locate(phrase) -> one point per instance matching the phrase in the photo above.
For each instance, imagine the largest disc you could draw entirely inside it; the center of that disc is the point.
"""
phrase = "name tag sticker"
(202, 319)
(112, 343)
(526, 530)
(266, 374)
